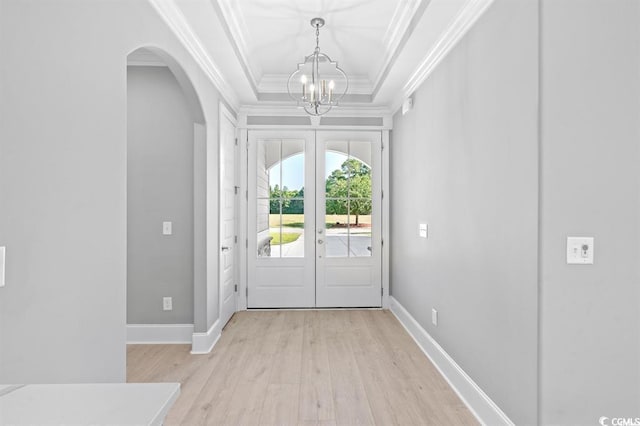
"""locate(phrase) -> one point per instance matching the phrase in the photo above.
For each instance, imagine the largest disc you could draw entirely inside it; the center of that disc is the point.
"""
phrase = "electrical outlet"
(167, 228)
(167, 303)
(434, 317)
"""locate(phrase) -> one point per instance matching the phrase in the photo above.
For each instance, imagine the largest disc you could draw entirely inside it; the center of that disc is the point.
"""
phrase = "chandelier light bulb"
(303, 80)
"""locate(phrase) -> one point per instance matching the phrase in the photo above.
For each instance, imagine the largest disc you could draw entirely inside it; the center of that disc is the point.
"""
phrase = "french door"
(314, 219)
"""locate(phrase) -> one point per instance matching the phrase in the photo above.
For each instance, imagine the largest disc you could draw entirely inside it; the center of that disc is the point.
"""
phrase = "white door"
(348, 219)
(228, 194)
(314, 223)
(281, 255)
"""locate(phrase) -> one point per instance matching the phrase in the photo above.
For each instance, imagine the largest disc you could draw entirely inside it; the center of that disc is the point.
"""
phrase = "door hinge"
(236, 141)
(382, 243)
(235, 189)
(246, 243)
(235, 239)
(381, 291)
(246, 194)
(235, 288)
(246, 292)
(382, 195)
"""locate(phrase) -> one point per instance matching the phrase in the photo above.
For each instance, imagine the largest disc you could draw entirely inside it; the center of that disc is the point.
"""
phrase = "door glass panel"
(336, 200)
(360, 202)
(348, 198)
(280, 164)
(287, 230)
(337, 234)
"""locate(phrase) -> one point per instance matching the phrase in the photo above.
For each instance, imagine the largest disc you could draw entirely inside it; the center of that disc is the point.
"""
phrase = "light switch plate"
(580, 250)
(423, 230)
(434, 317)
(167, 303)
(2, 263)
(166, 228)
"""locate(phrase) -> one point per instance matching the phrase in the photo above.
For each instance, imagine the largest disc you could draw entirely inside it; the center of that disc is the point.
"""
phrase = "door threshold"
(363, 308)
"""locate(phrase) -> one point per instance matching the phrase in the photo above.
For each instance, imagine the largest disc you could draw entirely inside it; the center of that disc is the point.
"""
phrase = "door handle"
(320, 241)
(225, 248)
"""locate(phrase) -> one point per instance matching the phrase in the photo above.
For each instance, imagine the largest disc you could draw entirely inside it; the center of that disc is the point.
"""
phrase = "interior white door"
(281, 200)
(348, 219)
(314, 219)
(227, 214)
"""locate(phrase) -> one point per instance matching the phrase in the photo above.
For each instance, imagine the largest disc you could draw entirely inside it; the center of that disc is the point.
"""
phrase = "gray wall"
(590, 98)
(501, 193)
(63, 189)
(160, 181)
(465, 161)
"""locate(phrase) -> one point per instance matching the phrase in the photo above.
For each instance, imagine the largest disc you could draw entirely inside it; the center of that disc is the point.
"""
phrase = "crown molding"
(274, 109)
(276, 83)
(396, 36)
(400, 20)
(176, 21)
(463, 21)
(400, 28)
(234, 26)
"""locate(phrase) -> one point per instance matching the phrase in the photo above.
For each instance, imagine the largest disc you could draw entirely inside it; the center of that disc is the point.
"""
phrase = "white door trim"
(243, 214)
(224, 114)
(385, 219)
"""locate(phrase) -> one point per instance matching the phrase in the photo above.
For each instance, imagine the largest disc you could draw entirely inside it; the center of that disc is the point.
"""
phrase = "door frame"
(225, 113)
(243, 135)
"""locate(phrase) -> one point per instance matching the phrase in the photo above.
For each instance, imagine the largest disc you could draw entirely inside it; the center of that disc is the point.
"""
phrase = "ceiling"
(386, 47)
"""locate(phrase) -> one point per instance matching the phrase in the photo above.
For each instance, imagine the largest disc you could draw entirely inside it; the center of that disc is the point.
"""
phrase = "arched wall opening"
(166, 184)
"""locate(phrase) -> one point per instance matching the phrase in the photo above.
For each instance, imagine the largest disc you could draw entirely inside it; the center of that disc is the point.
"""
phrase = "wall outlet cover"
(167, 303)
(167, 228)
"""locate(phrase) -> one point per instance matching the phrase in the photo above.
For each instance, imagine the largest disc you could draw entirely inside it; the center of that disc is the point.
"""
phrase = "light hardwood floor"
(303, 368)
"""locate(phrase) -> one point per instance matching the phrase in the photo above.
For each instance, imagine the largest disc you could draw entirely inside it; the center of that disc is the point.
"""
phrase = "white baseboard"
(159, 333)
(202, 343)
(485, 410)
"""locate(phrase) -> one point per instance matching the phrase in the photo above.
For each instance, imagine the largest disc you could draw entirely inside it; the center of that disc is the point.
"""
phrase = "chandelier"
(318, 83)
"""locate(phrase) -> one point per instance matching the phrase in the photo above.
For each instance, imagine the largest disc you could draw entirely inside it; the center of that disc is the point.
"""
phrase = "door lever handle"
(320, 241)
(225, 248)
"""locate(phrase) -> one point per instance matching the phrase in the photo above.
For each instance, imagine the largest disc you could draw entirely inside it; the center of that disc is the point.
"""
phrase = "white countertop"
(87, 404)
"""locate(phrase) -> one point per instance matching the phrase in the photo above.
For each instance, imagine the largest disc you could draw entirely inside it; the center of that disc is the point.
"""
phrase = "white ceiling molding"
(277, 83)
(394, 38)
(465, 19)
(178, 24)
(235, 28)
(399, 21)
(396, 34)
(273, 109)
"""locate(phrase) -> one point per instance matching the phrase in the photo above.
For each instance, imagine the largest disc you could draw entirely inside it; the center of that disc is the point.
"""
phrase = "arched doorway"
(165, 130)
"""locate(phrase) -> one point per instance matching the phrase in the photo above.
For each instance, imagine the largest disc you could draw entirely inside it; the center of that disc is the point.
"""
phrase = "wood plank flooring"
(303, 368)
